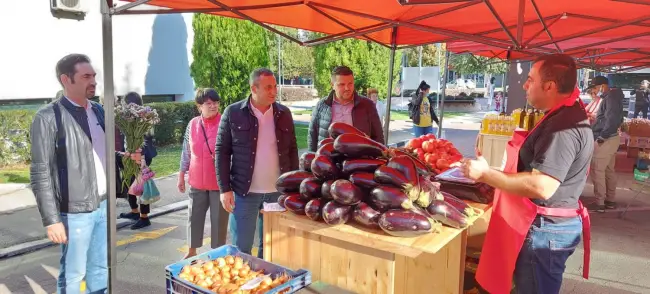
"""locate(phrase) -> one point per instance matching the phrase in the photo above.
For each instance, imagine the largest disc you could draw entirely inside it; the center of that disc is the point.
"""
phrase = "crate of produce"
(231, 271)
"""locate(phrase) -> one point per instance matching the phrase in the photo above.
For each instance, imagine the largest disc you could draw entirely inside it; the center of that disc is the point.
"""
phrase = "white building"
(152, 53)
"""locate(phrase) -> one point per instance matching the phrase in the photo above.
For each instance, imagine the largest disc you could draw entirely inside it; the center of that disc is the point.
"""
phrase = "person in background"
(198, 162)
(593, 106)
(343, 104)
(67, 176)
(491, 92)
(605, 129)
(141, 215)
(373, 94)
(642, 101)
(421, 111)
(255, 145)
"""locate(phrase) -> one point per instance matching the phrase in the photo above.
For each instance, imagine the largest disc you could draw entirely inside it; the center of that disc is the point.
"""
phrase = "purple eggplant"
(290, 181)
(282, 198)
(323, 168)
(344, 192)
(355, 146)
(326, 190)
(338, 128)
(405, 223)
(295, 204)
(406, 167)
(390, 176)
(305, 161)
(310, 188)
(421, 167)
(448, 215)
(325, 141)
(427, 192)
(366, 215)
(326, 150)
(388, 197)
(335, 213)
(363, 180)
(361, 165)
(460, 205)
(314, 209)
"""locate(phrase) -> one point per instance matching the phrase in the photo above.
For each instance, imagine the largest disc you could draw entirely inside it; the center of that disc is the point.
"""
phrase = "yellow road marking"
(186, 248)
(145, 236)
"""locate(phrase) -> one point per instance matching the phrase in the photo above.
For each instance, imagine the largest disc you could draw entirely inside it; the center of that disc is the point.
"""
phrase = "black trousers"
(643, 109)
(133, 202)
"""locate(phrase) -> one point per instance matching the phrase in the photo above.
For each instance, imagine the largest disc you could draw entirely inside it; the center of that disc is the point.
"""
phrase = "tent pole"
(389, 95)
(109, 107)
(442, 91)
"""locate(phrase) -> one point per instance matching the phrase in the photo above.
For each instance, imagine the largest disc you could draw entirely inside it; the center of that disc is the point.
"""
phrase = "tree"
(226, 51)
(471, 64)
(429, 56)
(368, 61)
(297, 61)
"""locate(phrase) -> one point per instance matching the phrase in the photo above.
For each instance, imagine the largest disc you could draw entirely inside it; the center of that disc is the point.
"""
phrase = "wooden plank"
(411, 247)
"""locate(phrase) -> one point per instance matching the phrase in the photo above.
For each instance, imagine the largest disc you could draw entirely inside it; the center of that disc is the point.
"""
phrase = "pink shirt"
(267, 158)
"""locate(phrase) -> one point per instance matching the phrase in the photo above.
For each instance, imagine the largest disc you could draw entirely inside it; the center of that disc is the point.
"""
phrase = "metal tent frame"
(510, 43)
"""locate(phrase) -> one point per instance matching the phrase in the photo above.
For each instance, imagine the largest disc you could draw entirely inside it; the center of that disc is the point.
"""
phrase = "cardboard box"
(639, 142)
(632, 152)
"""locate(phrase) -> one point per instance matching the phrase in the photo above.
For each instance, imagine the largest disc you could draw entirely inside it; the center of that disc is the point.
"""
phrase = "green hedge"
(14, 129)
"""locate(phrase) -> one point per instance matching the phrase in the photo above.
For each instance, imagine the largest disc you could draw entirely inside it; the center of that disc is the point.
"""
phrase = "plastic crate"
(641, 176)
(175, 285)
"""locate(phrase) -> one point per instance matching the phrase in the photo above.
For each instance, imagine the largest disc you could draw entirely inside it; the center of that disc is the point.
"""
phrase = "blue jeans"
(542, 259)
(85, 254)
(246, 217)
(419, 131)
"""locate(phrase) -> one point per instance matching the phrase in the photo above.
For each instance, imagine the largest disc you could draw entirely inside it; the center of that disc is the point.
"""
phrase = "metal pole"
(109, 106)
(390, 84)
(438, 51)
(420, 61)
(444, 86)
(279, 62)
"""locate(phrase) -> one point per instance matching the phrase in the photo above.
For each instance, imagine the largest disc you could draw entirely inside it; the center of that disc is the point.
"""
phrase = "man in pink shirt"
(256, 143)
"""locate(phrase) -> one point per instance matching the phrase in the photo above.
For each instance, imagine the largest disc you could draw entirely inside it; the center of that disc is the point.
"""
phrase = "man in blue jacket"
(608, 121)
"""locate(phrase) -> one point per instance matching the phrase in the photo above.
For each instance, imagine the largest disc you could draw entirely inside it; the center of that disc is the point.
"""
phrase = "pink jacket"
(202, 174)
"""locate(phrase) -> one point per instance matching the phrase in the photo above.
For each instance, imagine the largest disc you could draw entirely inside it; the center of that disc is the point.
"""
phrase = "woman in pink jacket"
(197, 160)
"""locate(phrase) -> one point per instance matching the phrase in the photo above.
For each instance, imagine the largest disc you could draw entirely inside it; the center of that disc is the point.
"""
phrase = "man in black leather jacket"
(256, 143)
(67, 175)
(343, 104)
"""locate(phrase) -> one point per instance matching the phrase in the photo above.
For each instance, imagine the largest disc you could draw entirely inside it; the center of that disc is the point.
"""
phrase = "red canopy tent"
(506, 25)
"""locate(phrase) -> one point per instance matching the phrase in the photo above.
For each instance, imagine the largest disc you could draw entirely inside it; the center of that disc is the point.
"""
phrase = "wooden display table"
(362, 260)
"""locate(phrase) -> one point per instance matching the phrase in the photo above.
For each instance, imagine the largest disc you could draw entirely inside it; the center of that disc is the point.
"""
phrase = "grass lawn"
(166, 163)
(301, 112)
(14, 174)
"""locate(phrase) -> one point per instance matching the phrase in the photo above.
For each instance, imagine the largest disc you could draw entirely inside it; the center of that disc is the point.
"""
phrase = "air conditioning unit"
(68, 9)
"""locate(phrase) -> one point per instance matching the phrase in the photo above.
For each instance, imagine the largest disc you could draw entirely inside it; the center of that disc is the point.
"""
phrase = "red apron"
(512, 216)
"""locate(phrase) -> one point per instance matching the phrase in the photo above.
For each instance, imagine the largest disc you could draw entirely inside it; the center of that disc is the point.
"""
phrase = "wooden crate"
(366, 261)
(493, 148)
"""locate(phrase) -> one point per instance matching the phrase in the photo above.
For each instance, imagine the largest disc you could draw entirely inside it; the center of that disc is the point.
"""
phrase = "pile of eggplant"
(353, 177)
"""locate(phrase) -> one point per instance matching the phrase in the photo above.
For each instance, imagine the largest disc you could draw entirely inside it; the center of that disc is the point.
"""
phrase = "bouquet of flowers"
(134, 121)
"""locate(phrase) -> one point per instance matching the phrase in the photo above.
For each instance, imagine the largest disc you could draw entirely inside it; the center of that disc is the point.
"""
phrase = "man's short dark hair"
(67, 65)
(205, 94)
(559, 68)
(133, 97)
(257, 73)
(341, 70)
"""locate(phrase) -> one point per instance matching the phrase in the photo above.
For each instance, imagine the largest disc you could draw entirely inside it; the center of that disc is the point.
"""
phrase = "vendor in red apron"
(537, 219)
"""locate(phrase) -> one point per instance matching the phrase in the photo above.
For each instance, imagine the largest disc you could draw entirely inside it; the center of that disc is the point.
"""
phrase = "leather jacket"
(79, 173)
(364, 117)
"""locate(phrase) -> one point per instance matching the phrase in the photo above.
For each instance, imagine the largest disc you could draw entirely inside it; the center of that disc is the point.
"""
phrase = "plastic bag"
(453, 182)
(150, 193)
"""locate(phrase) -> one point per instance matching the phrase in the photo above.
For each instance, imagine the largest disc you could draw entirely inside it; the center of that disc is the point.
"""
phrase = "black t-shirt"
(560, 147)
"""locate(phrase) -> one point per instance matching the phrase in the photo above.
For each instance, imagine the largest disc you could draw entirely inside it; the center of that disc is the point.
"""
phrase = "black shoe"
(610, 205)
(141, 223)
(594, 207)
(130, 215)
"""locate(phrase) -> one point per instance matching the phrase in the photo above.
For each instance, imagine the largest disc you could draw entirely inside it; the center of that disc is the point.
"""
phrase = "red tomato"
(431, 159)
(443, 164)
(427, 147)
(419, 152)
(430, 136)
(456, 158)
(414, 143)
